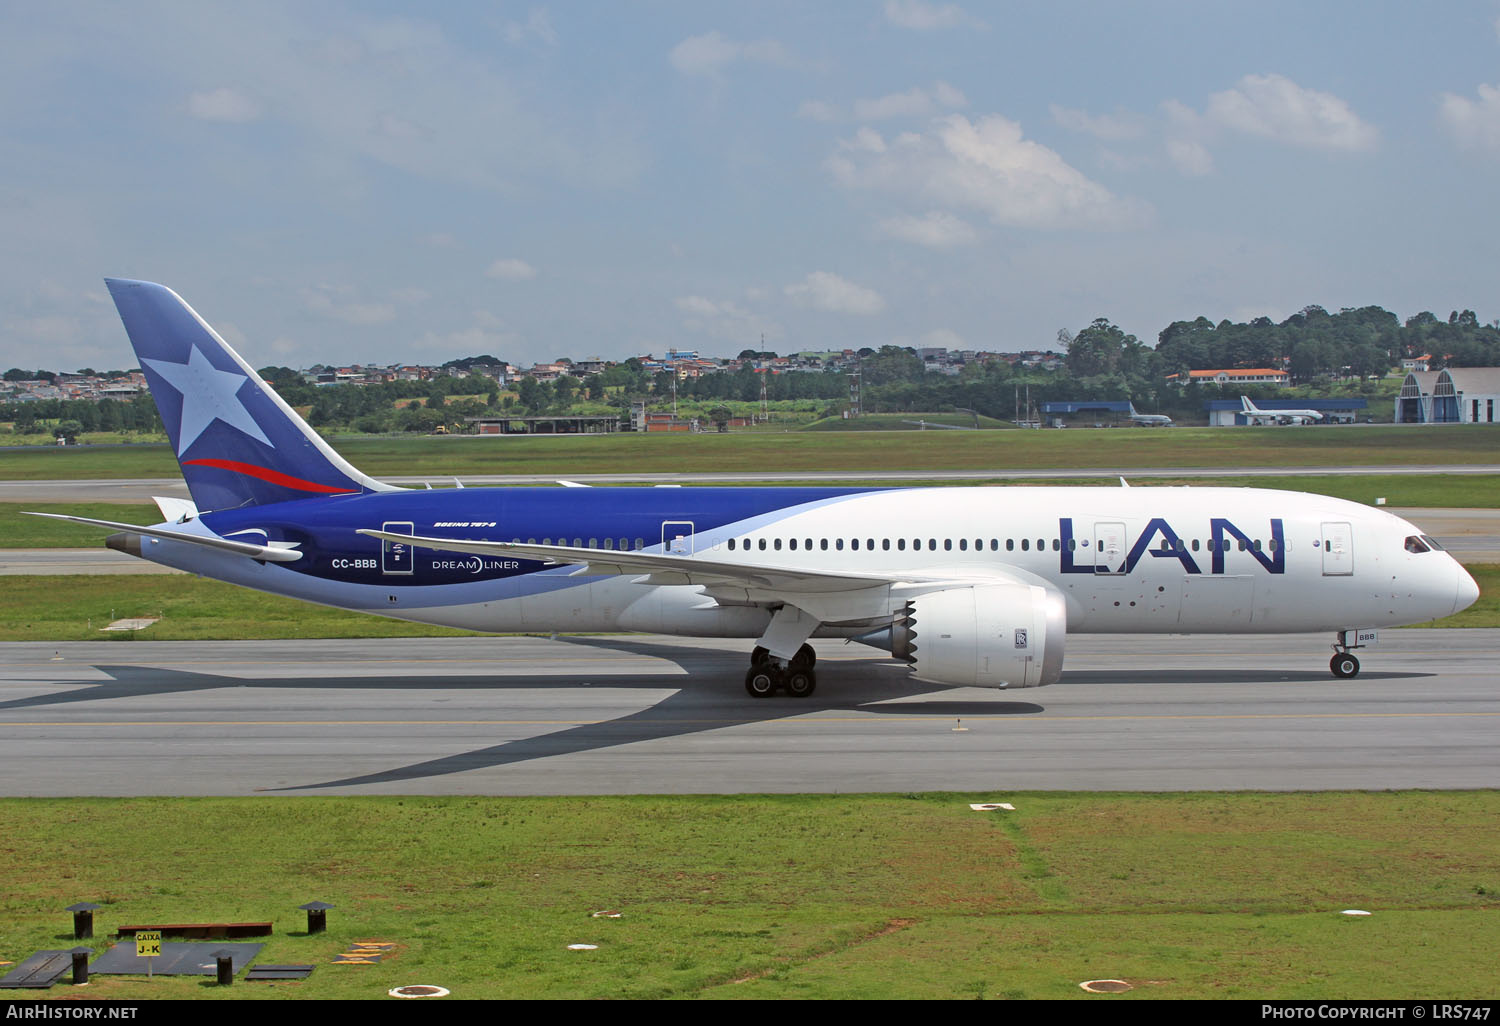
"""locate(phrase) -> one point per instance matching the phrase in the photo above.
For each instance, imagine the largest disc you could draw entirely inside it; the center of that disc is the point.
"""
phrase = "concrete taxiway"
(649, 714)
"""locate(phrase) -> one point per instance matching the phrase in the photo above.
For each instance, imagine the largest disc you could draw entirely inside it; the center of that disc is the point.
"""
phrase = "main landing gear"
(767, 674)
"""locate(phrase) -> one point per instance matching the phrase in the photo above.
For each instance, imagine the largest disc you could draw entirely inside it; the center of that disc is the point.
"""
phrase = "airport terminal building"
(1456, 395)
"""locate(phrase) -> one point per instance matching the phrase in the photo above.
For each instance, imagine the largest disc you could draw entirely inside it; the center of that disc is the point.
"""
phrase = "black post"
(81, 965)
(317, 916)
(226, 967)
(83, 919)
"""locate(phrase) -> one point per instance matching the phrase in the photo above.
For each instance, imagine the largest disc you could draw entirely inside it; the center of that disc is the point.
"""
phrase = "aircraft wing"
(829, 596)
(662, 568)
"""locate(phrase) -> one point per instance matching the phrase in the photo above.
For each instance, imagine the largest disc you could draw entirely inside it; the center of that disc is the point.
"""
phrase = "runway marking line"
(870, 718)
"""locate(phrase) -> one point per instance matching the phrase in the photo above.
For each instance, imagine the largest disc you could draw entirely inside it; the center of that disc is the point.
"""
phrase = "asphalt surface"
(650, 714)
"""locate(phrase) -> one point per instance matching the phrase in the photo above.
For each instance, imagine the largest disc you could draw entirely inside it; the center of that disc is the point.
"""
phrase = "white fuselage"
(1125, 560)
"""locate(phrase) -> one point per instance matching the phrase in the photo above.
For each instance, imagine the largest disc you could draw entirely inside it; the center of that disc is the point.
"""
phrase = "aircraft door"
(1109, 548)
(677, 537)
(396, 557)
(1338, 550)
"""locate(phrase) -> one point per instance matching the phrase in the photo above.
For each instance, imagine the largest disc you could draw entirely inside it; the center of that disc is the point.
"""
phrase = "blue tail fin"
(238, 442)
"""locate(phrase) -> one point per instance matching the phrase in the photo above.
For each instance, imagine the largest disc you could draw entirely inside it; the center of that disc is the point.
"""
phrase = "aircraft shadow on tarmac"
(709, 697)
(1300, 675)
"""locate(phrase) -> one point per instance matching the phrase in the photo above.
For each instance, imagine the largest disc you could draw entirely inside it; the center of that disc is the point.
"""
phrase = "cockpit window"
(1416, 544)
(1432, 543)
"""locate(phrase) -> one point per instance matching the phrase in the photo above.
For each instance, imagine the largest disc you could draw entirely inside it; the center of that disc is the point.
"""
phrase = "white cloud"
(510, 270)
(698, 306)
(1104, 127)
(1189, 157)
(1475, 124)
(818, 110)
(336, 303)
(393, 91)
(537, 24)
(913, 103)
(469, 342)
(943, 338)
(822, 290)
(712, 52)
(727, 320)
(233, 106)
(914, 14)
(1274, 107)
(938, 229)
(985, 165)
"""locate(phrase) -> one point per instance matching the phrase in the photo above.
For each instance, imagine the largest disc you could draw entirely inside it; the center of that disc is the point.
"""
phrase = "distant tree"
(891, 364)
(280, 377)
(68, 431)
(1101, 348)
(531, 395)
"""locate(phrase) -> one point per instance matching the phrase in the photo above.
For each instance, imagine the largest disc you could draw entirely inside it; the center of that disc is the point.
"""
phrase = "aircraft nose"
(1468, 591)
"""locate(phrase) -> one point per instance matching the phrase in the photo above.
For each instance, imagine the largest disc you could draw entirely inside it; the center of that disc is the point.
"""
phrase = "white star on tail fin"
(208, 394)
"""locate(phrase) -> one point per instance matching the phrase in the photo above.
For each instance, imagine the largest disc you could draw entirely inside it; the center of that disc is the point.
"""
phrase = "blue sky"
(376, 182)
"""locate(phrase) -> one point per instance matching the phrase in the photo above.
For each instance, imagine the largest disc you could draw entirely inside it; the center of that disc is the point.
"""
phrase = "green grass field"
(886, 896)
(76, 608)
(761, 451)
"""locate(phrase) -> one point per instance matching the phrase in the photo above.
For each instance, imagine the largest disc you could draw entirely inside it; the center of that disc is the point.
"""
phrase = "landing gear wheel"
(1344, 666)
(760, 681)
(801, 683)
(759, 656)
(805, 658)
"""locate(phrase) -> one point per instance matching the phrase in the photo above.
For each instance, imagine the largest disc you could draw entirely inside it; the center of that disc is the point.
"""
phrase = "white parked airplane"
(1150, 419)
(969, 586)
(1256, 415)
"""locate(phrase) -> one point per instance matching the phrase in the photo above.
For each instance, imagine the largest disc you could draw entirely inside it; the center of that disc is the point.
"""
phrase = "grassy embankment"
(914, 896)
(800, 451)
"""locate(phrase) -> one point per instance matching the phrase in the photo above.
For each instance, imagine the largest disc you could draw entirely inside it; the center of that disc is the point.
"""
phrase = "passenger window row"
(928, 544)
(963, 545)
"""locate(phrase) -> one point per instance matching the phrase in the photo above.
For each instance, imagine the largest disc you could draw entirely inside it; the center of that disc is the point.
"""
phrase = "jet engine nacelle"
(987, 636)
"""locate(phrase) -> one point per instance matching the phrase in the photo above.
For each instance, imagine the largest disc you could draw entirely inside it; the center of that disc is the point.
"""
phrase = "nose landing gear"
(1344, 663)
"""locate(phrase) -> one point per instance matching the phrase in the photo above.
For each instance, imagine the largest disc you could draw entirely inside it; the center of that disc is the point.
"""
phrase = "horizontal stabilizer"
(175, 511)
(275, 552)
